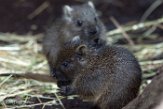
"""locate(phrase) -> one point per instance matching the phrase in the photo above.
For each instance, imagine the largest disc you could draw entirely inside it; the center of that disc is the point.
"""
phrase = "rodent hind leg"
(111, 100)
(89, 85)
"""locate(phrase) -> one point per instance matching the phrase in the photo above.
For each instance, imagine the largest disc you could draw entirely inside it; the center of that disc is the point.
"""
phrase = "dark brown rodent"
(77, 21)
(109, 76)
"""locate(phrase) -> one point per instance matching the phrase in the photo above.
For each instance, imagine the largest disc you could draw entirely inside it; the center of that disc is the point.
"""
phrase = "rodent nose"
(58, 75)
(93, 31)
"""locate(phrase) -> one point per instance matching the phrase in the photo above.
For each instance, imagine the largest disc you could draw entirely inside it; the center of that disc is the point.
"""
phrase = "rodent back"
(117, 74)
(107, 59)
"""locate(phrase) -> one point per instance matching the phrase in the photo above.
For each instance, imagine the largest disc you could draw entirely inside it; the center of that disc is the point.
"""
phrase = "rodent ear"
(81, 49)
(91, 4)
(67, 10)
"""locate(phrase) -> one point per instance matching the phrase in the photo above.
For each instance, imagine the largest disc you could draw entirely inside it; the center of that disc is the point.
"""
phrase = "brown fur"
(109, 76)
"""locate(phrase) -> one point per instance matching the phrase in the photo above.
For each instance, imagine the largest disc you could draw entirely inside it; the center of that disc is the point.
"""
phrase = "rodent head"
(69, 61)
(76, 59)
(65, 63)
(73, 60)
(84, 20)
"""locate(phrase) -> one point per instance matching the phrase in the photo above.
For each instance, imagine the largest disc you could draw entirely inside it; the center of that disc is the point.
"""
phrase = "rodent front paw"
(66, 90)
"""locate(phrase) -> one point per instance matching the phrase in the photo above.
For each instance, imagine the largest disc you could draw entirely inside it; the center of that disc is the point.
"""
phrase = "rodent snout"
(58, 75)
(93, 31)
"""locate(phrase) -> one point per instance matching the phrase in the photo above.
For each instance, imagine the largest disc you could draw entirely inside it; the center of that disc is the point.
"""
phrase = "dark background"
(14, 14)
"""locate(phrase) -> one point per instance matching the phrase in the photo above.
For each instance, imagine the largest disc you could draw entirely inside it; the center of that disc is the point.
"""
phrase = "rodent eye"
(65, 64)
(95, 19)
(79, 23)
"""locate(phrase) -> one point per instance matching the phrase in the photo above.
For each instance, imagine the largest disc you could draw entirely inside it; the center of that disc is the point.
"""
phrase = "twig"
(135, 27)
(17, 62)
(149, 76)
(9, 76)
(40, 65)
(31, 105)
(40, 9)
(14, 94)
(60, 102)
(10, 48)
(156, 4)
(40, 96)
(151, 30)
(7, 37)
(160, 26)
(152, 62)
(123, 32)
(34, 76)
